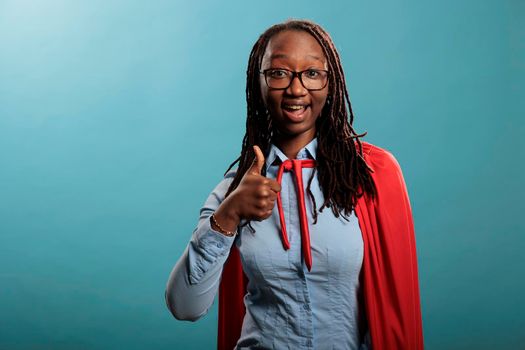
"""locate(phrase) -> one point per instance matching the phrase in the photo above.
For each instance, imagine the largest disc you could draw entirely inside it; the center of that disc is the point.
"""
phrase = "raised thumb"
(258, 162)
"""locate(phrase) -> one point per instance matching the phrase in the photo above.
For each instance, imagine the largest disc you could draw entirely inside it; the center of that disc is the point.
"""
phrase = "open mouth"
(295, 112)
(294, 108)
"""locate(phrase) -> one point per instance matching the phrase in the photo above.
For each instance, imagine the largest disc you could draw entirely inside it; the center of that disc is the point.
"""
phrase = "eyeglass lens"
(281, 79)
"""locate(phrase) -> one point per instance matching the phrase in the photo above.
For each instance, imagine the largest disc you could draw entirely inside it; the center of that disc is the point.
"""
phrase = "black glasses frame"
(295, 74)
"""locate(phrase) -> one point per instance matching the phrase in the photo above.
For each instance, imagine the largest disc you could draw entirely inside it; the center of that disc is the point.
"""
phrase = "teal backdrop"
(117, 118)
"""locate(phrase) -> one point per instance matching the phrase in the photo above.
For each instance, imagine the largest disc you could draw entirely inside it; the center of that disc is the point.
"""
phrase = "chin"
(291, 131)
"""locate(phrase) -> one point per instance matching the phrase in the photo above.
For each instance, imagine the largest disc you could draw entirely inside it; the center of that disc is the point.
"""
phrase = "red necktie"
(296, 165)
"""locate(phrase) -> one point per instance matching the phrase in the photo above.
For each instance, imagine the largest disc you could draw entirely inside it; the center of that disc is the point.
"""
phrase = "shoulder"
(218, 193)
(386, 174)
(230, 174)
(379, 159)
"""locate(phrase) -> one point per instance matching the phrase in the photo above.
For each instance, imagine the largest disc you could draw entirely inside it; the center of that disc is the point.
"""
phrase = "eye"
(277, 73)
(313, 74)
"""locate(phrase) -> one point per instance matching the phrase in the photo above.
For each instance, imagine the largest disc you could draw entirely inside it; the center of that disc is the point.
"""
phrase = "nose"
(296, 87)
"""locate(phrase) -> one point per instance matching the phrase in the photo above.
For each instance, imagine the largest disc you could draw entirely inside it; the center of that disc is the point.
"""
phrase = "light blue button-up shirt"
(287, 306)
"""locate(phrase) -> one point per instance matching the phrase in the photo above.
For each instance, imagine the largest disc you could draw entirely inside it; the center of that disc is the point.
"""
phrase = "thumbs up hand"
(253, 199)
(256, 194)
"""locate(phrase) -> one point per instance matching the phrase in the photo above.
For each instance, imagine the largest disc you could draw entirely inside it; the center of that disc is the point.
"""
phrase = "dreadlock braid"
(343, 174)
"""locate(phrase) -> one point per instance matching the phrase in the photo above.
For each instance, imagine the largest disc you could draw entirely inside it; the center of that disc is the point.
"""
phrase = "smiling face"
(294, 110)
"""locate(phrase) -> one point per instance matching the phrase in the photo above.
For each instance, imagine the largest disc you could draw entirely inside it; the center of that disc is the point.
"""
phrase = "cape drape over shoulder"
(389, 272)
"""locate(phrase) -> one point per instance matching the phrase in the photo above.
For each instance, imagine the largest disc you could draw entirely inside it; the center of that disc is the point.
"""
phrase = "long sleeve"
(194, 281)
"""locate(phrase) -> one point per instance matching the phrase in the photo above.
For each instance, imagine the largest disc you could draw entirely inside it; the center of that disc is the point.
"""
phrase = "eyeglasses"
(281, 79)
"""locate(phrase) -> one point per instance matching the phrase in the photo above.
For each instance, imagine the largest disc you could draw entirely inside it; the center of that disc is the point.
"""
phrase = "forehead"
(293, 46)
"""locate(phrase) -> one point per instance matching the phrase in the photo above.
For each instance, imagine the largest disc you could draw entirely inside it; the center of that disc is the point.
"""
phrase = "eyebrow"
(281, 55)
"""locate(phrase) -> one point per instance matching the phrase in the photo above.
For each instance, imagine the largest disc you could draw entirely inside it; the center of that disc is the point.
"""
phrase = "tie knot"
(288, 164)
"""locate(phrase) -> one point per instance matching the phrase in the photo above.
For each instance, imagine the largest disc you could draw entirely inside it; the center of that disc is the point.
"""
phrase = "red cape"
(389, 272)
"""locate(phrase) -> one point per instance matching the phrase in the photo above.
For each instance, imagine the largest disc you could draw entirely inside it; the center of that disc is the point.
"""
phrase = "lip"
(294, 103)
(296, 116)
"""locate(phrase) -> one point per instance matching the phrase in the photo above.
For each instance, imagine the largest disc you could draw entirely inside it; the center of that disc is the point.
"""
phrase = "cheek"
(321, 101)
(273, 100)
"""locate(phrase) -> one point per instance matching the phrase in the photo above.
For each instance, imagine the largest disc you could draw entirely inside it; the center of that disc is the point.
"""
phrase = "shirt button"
(219, 245)
(306, 307)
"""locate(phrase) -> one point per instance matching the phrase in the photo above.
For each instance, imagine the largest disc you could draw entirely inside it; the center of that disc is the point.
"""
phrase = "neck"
(291, 146)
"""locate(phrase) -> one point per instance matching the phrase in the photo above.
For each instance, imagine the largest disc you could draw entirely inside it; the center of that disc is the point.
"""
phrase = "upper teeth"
(294, 106)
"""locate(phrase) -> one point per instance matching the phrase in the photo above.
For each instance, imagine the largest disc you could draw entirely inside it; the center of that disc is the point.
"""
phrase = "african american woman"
(310, 241)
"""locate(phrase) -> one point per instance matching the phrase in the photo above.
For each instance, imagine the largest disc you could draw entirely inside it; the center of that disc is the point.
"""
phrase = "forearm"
(192, 286)
(195, 279)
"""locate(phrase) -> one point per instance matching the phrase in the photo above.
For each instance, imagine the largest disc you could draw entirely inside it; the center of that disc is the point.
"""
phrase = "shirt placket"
(291, 214)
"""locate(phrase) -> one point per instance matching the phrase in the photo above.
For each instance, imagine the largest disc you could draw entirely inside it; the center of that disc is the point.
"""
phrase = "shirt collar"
(307, 152)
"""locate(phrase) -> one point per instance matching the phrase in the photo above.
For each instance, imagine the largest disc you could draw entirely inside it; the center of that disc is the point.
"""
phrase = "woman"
(291, 274)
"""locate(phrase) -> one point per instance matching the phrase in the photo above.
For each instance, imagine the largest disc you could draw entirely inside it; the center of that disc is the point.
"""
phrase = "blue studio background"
(117, 118)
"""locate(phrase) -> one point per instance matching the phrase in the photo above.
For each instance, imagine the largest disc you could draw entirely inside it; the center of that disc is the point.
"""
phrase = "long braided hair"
(343, 173)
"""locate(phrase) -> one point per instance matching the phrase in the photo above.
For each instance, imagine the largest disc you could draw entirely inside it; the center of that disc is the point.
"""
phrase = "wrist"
(217, 227)
(225, 219)
(228, 209)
